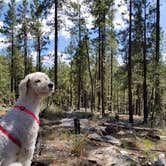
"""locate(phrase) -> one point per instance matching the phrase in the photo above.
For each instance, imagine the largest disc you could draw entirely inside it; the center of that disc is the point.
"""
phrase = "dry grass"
(161, 145)
(64, 147)
(78, 145)
(145, 144)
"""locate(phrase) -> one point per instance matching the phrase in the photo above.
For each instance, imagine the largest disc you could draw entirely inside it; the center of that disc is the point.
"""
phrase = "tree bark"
(129, 69)
(38, 53)
(102, 66)
(25, 53)
(157, 58)
(145, 70)
(56, 45)
(12, 62)
(79, 60)
(111, 87)
(71, 84)
(90, 75)
(99, 68)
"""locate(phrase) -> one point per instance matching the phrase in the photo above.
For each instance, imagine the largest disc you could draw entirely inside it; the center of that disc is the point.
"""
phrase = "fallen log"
(128, 126)
(150, 150)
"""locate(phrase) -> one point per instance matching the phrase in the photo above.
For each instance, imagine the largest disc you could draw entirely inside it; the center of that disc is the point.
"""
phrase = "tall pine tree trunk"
(12, 62)
(103, 67)
(99, 68)
(71, 84)
(56, 45)
(25, 53)
(157, 58)
(129, 69)
(38, 54)
(145, 70)
(79, 60)
(111, 82)
(90, 75)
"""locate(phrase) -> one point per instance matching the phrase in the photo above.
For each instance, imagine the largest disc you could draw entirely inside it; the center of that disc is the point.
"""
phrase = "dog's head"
(37, 83)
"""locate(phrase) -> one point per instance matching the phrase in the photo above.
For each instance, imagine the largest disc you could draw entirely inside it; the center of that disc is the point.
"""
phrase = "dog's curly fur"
(22, 126)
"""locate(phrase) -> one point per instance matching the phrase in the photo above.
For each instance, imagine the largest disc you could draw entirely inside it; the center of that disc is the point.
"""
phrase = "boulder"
(111, 156)
(106, 138)
(161, 160)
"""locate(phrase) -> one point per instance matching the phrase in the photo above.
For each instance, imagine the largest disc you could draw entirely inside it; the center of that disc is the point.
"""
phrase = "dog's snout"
(50, 85)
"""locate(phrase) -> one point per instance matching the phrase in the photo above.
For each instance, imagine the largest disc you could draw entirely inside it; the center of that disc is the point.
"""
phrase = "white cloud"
(120, 7)
(80, 1)
(119, 24)
(164, 57)
(33, 54)
(7, 1)
(67, 24)
(45, 28)
(3, 42)
(48, 61)
(1, 24)
(64, 58)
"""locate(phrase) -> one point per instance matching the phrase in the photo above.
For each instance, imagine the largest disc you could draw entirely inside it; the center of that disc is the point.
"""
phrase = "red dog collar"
(22, 108)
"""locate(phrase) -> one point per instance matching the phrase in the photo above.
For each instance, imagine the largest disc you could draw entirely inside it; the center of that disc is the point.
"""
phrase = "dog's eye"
(38, 81)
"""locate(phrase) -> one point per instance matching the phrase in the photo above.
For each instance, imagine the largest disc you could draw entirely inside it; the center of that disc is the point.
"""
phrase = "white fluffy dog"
(19, 126)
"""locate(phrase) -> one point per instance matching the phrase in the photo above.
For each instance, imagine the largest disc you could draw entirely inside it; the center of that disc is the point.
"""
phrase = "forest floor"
(102, 142)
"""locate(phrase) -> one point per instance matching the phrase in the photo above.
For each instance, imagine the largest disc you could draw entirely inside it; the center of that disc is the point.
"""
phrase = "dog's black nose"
(50, 85)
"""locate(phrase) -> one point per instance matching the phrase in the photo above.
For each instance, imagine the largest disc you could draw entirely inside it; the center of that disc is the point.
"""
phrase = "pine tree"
(86, 40)
(145, 68)
(157, 57)
(41, 39)
(56, 45)
(24, 21)
(78, 32)
(9, 29)
(129, 67)
(100, 10)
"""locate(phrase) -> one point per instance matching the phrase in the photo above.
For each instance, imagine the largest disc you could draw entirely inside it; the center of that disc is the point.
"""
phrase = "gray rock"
(112, 140)
(67, 122)
(161, 161)
(95, 137)
(106, 138)
(111, 156)
(89, 130)
(162, 137)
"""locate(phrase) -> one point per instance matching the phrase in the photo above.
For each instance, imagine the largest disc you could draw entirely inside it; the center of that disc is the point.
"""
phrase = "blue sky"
(163, 15)
(64, 36)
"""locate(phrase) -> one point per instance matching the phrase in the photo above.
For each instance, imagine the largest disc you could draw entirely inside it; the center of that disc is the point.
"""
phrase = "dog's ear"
(23, 86)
